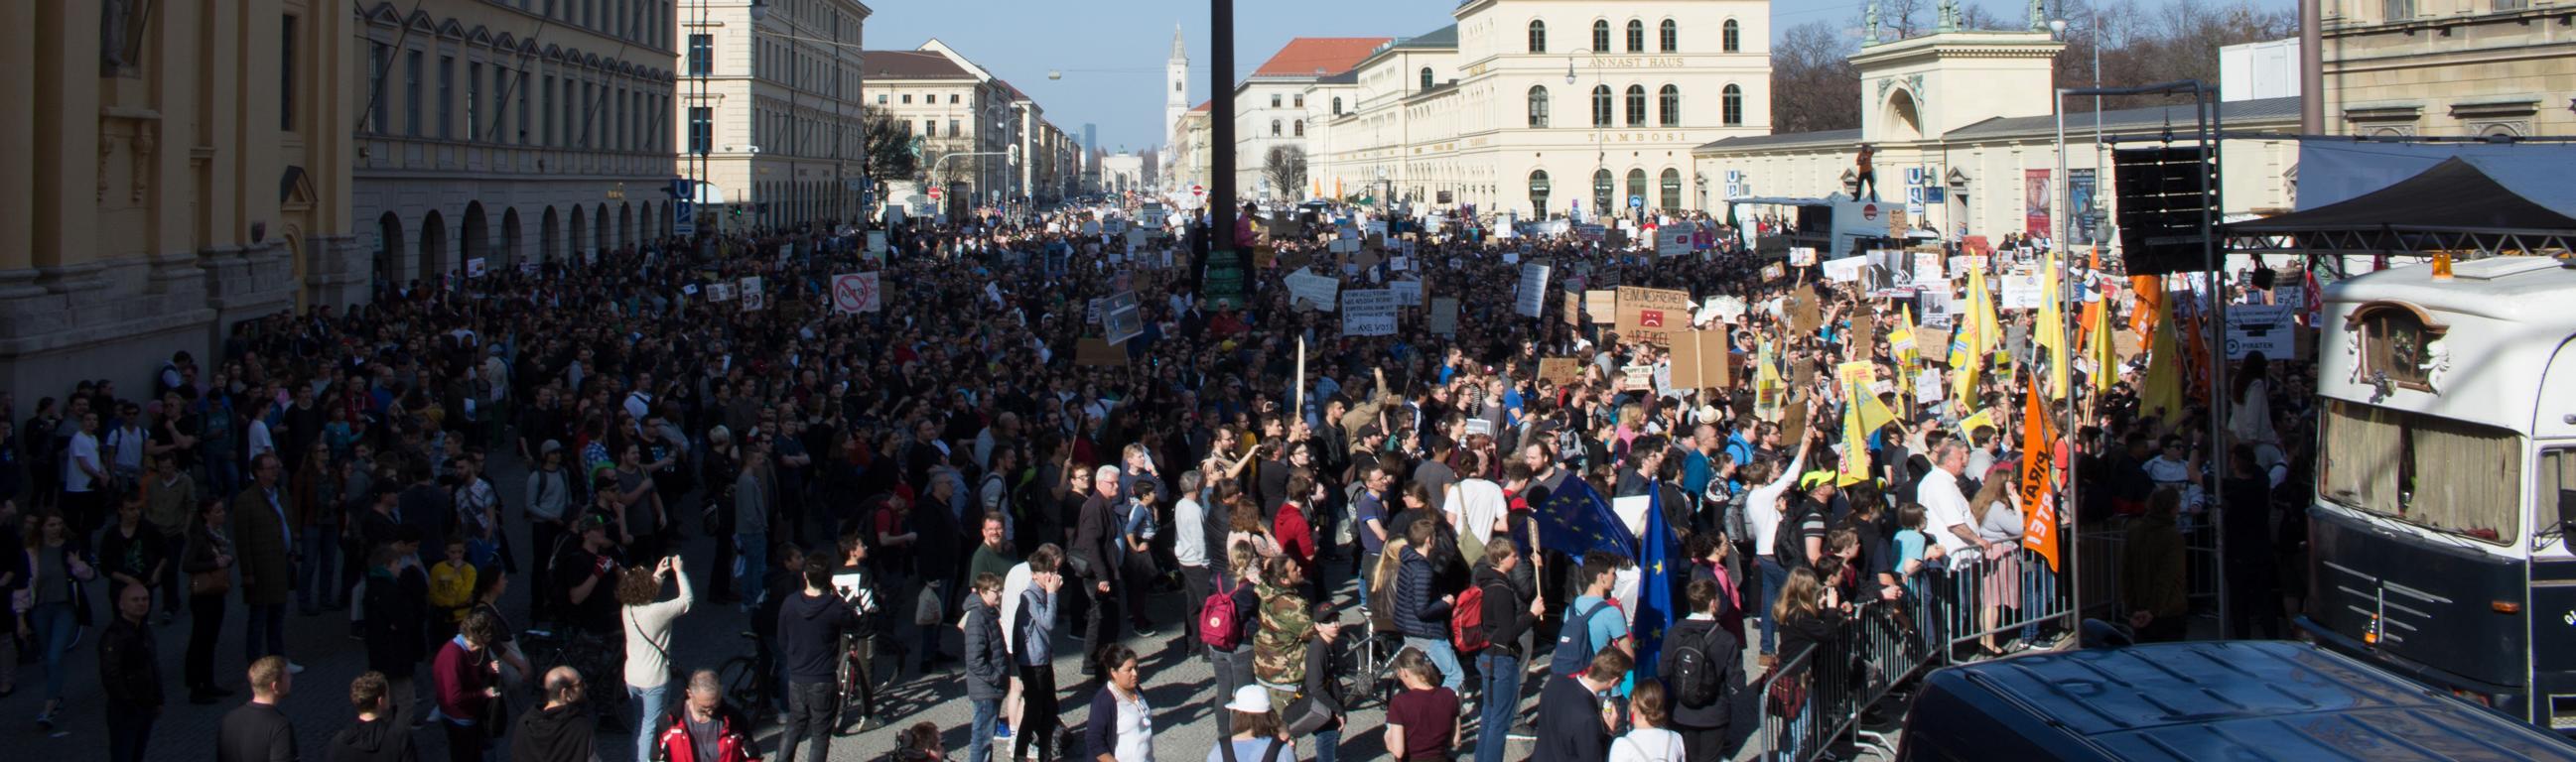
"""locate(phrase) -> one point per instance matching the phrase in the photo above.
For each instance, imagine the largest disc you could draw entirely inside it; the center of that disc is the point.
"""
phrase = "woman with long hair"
(1650, 739)
(647, 625)
(54, 604)
(1997, 519)
(1809, 611)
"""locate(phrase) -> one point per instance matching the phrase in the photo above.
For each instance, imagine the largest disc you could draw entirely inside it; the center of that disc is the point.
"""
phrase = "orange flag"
(2038, 500)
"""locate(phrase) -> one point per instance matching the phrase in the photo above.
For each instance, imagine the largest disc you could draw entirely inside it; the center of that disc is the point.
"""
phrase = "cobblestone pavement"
(1179, 687)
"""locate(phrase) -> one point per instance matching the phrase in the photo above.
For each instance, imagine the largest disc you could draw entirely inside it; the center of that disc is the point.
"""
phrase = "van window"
(2444, 475)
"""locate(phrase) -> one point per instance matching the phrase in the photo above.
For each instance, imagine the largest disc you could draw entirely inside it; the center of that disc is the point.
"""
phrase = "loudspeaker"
(2163, 195)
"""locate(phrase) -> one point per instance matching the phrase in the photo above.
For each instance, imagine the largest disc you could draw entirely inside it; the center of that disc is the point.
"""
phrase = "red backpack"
(1218, 627)
(1467, 621)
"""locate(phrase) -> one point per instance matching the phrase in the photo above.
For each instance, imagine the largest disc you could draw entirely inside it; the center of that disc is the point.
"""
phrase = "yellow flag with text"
(1855, 468)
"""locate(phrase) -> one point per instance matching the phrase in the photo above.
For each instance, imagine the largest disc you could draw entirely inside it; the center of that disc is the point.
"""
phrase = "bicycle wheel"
(740, 677)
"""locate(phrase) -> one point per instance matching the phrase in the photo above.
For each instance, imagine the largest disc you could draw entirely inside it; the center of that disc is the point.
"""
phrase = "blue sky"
(1112, 51)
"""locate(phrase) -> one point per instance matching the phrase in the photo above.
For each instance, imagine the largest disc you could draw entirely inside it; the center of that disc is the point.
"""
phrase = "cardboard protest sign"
(1648, 315)
(1098, 353)
(1444, 316)
(1573, 308)
(1602, 304)
(1700, 360)
(1805, 314)
(1309, 288)
(1560, 370)
(1369, 312)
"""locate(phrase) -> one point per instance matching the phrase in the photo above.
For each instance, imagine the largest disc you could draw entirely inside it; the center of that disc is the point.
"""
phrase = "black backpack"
(1788, 545)
(1699, 667)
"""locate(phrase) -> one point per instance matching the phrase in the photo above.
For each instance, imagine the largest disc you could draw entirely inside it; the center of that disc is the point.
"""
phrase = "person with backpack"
(1506, 614)
(1702, 661)
(1421, 617)
(1593, 622)
(1225, 617)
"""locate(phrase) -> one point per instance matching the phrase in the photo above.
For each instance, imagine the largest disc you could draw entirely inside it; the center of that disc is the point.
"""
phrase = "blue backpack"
(1574, 641)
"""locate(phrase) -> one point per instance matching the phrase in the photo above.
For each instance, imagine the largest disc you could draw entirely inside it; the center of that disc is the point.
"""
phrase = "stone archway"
(625, 224)
(1901, 118)
(389, 247)
(478, 233)
(578, 232)
(599, 224)
(549, 236)
(510, 236)
(433, 247)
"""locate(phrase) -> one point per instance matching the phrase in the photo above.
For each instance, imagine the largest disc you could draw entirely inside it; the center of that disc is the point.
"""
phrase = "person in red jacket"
(704, 719)
(1295, 531)
(468, 681)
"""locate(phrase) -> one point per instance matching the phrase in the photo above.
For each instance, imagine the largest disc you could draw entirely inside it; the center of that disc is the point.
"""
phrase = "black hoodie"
(1507, 614)
(372, 741)
(809, 629)
(555, 734)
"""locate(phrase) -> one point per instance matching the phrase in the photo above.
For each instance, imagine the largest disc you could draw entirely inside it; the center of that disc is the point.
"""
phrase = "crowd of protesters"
(951, 459)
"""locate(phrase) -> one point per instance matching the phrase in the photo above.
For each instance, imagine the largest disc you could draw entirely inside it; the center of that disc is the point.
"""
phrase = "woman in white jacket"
(647, 624)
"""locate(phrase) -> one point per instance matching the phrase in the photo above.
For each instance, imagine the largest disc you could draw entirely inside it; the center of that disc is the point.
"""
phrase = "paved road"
(1178, 687)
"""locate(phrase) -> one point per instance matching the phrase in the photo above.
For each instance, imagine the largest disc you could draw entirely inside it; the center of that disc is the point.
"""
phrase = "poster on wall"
(2086, 224)
(2034, 202)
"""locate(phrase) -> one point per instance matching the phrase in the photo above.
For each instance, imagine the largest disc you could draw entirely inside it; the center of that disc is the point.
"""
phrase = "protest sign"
(1728, 309)
(2265, 328)
(1602, 304)
(1774, 271)
(1802, 256)
(1098, 353)
(1408, 293)
(1699, 360)
(1369, 312)
(1317, 290)
(1636, 377)
(854, 293)
(1935, 304)
(2021, 290)
(1672, 241)
(719, 293)
(1121, 319)
(474, 267)
(1647, 315)
(1093, 310)
(1533, 291)
(1928, 266)
(1444, 316)
(1805, 314)
(1845, 270)
(1559, 370)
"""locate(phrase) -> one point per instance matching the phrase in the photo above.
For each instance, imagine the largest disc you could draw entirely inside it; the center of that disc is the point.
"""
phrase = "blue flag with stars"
(1662, 573)
(1576, 520)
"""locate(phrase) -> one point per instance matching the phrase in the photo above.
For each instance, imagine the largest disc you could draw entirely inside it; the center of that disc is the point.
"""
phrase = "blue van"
(2202, 701)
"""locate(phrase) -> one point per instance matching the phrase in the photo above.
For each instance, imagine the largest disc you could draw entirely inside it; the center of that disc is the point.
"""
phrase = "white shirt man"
(1946, 513)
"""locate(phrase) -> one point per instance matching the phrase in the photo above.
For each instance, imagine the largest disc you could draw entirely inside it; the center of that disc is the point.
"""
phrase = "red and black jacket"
(733, 737)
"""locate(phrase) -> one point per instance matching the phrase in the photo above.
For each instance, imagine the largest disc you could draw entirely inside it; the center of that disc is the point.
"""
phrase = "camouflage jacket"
(1279, 649)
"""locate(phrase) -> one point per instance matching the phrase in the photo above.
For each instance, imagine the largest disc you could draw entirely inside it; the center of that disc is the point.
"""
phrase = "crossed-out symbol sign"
(852, 293)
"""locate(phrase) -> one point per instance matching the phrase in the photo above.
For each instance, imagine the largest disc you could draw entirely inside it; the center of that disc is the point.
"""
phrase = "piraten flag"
(1855, 463)
(2038, 498)
(2050, 334)
(1857, 376)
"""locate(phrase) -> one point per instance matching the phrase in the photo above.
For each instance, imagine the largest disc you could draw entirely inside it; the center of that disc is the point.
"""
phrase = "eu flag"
(1576, 520)
(1662, 571)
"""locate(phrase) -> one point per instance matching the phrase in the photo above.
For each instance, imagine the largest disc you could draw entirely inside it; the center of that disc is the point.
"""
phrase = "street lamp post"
(1600, 123)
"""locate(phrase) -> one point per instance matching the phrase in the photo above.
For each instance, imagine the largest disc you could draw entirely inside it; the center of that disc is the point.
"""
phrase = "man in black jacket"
(257, 731)
(1096, 556)
(1510, 608)
(809, 636)
(561, 730)
(1571, 725)
(988, 668)
(374, 737)
(1703, 725)
(129, 668)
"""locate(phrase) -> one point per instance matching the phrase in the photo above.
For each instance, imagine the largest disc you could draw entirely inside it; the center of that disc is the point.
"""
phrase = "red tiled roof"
(1202, 107)
(910, 64)
(1302, 56)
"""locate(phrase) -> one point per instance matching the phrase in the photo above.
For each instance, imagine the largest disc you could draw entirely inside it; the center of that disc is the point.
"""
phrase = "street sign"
(684, 217)
(936, 192)
(1636, 202)
(1198, 190)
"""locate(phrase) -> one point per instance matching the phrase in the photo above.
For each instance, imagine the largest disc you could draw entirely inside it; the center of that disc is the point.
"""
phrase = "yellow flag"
(1981, 304)
(1968, 426)
(2104, 358)
(2161, 392)
(1857, 377)
(1855, 467)
(2051, 331)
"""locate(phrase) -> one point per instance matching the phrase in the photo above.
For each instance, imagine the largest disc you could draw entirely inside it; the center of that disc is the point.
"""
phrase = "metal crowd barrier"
(1812, 699)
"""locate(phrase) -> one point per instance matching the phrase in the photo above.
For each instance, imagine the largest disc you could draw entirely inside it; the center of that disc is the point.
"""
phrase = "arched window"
(1636, 36)
(1274, 128)
(1731, 106)
(1670, 101)
(1636, 185)
(1426, 78)
(1337, 106)
(1538, 189)
(1600, 37)
(1301, 100)
(1731, 37)
(1600, 105)
(1672, 182)
(1537, 36)
(1636, 105)
(1538, 106)
(1301, 128)
(1671, 37)
(1600, 191)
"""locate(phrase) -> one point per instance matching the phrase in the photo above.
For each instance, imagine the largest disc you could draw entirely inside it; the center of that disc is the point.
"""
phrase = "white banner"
(854, 293)
(1318, 290)
(1369, 312)
(1408, 293)
(2021, 290)
(753, 296)
(1671, 241)
(2265, 328)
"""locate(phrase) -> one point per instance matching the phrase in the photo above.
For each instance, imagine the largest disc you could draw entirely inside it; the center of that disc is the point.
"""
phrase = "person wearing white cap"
(1256, 729)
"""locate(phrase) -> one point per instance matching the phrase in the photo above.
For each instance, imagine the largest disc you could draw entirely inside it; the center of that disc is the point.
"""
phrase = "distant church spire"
(1178, 51)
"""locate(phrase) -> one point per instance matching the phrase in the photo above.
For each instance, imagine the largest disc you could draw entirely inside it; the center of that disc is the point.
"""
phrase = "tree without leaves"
(1814, 86)
(1286, 168)
(888, 147)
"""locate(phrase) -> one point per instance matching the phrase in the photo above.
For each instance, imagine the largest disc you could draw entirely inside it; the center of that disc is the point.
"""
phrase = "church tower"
(1176, 94)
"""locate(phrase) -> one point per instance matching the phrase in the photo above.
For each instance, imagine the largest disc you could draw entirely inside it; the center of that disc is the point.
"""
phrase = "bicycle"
(746, 685)
(598, 658)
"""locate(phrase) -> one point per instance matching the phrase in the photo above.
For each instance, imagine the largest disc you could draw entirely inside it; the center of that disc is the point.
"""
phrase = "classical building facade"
(1965, 139)
(1190, 158)
(509, 130)
(2504, 68)
(961, 113)
(1545, 107)
(769, 108)
(173, 169)
(1271, 109)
